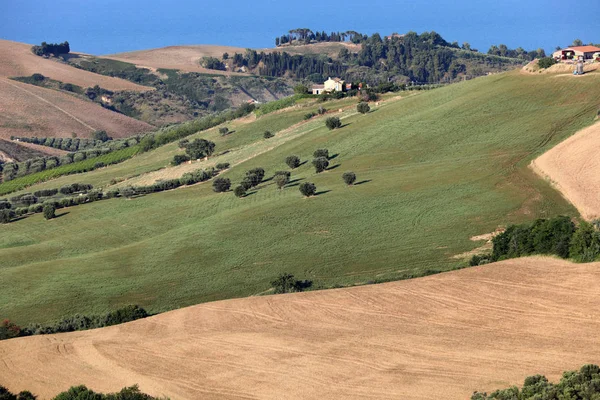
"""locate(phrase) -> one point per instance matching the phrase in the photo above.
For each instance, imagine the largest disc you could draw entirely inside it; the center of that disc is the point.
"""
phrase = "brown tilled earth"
(573, 167)
(28, 110)
(16, 59)
(439, 337)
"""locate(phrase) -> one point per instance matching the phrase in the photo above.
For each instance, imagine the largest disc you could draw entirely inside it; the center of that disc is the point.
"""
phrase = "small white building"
(574, 52)
(330, 85)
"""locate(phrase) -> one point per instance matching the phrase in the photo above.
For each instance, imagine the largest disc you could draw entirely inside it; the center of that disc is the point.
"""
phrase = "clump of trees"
(213, 63)
(253, 178)
(576, 385)
(320, 164)
(555, 236)
(198, 148)
(363, 107)
(47, 49)
(287, 283)
(333, 123)
(305, 36)
(321, 153)
(80, 144)
(307, 189)
(292, 161)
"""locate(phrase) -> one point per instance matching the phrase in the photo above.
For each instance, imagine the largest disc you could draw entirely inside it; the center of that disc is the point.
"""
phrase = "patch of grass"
(438, 167)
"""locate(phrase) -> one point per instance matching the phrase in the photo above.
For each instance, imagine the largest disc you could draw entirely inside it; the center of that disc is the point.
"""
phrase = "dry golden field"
(438, 337)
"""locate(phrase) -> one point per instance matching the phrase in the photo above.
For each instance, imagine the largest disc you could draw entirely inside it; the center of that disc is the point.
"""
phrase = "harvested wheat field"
(439, 337)
(574, 168)
(16, 59)
(184, 58)
(27, 110)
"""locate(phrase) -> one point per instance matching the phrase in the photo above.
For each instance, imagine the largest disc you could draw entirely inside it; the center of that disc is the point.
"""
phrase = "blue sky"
(110, 26)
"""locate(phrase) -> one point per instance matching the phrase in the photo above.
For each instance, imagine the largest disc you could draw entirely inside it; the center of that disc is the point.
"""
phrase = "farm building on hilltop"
(330, 85)
(574, 52)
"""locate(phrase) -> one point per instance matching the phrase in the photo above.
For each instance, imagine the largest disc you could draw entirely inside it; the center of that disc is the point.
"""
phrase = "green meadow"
(433, 169)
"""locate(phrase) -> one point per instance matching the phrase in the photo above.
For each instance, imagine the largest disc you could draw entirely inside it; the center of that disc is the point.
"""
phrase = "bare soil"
(27, 110)
(439, 337)
(16, 59)
(573, 168)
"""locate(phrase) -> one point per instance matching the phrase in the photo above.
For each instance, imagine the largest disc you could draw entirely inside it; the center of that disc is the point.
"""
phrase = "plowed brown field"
(16, 59)
(439, 337)
(27, 110)
(573, 167)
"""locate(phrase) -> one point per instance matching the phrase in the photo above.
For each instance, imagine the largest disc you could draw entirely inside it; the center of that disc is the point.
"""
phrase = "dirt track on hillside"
(573, 167)
(16, 59)
(440, 337)
(27, 110)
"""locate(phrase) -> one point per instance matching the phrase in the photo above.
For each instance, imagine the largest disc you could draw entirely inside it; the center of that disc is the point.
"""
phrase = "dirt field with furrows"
(439, 337)
(186, 58)
(16, 59)
(573, 168)
(27, 110)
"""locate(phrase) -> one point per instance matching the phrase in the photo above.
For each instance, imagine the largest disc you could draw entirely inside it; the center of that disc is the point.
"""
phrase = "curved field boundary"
(573, 167)
(439, 337)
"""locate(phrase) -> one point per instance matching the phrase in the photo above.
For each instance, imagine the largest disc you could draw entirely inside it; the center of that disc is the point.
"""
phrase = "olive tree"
(363, 107)
(221, 185)
(292, 161)
(321, 164)
(349, 177)
(49, 211)
(307, 189)
(333, 123)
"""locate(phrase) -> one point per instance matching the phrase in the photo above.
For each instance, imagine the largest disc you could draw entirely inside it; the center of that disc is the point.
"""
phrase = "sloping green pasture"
(433, 170)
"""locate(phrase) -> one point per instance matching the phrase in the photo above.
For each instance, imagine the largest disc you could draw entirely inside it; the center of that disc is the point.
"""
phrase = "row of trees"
(99, 139)
(573, 385)
(305, 36)
(503, 51)
(555, 236)
(81, 393)
(47, 49)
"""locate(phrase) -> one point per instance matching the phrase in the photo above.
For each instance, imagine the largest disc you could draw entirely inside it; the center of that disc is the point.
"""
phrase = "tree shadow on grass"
(333, 167)
(362, 182)
(61, 215)
(333, 156)
(302, 163)
(250, 194)
(345, 125)
(322, 192)
(18, 218)
(296, 180)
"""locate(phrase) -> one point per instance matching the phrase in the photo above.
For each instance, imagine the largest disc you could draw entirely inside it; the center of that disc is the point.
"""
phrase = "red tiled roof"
(584, 49)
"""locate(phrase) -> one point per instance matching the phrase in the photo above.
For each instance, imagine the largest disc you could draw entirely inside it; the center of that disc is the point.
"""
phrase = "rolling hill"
(35, 111)
(18, 60)
(435, 168)
(439, 337)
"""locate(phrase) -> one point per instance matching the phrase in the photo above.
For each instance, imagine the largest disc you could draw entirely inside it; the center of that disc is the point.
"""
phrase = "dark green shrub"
(267, 135)
(179, 159)
(101, 135)
(349, 177)
(363, 107)
(239, 191)
(222, 166)
(281, 180)
(292, 161)
(309, 115)
(221, 185)
(480, 259)
(255, 176)
(287, 283)
(321, 110)
(333, 123)
(127, 192)
(6, 216)
(321, 153)
(38, 77)
(320, 164)
(224, 131)
(307, 189)
(546, 62)
(49, 211)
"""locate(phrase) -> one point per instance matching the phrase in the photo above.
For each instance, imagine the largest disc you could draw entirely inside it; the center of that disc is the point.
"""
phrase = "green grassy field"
(434, 169)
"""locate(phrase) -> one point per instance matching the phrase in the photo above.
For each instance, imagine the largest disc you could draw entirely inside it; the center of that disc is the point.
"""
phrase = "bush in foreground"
(574, 385)
(333, 123)
(82, 393)
(349, 178)
(307, 189)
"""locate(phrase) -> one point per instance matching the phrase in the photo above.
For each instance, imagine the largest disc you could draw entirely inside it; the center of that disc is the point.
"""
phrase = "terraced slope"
(440, 337)
(16, 59)
(434, 170)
